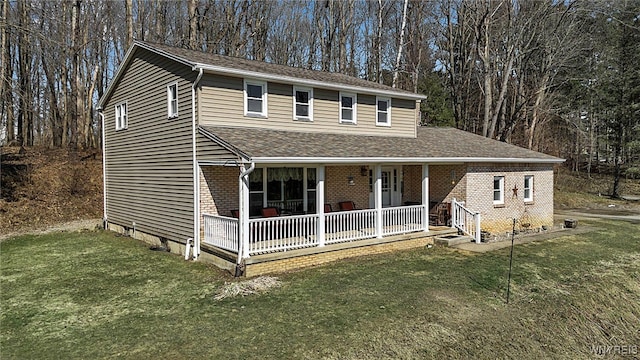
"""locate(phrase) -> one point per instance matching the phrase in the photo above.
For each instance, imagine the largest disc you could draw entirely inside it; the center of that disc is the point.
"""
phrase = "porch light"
(351, 181)
(364, 171)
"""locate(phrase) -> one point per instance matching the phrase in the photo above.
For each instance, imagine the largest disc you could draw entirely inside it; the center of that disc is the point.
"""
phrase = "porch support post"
(320, 205)
(425, 196)
(243, 207)
(377, 194)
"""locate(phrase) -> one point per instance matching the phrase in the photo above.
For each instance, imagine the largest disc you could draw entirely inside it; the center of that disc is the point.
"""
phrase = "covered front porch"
(360, 202)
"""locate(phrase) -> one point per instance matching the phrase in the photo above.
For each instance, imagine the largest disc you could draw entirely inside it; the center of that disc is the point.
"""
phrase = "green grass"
(97, 295)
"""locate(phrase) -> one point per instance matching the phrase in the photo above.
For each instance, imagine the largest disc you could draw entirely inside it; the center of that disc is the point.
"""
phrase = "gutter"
(196, 171)
(375, 160)
(104, 173)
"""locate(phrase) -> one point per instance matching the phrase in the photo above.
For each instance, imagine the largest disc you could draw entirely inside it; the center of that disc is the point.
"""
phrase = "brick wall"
(338, 189)
(447, 182)
(218, 189)
(412, 177)
(321, 258)
(498, 218)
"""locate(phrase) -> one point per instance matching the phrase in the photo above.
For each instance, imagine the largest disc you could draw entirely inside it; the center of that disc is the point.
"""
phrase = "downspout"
(196, 171)
(104, 173)
(243, 211)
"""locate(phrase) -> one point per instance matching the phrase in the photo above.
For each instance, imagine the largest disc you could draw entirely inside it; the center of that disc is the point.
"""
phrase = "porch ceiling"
(432, 145)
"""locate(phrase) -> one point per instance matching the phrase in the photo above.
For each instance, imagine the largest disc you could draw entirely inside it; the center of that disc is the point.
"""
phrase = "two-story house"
(266, 167)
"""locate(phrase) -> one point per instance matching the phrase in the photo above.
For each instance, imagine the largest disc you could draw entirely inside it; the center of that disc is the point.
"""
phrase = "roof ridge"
(270, 68)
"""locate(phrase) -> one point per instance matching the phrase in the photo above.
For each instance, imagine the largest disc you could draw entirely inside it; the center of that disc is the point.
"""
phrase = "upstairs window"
(172, 100)
(383, 111)
(498, 190)
(302, 104)
(255, 98)
(121, 116)
(528, 188)
(348, 108)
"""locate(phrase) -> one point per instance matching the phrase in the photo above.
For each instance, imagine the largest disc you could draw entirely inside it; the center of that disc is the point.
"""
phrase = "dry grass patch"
(258, 285)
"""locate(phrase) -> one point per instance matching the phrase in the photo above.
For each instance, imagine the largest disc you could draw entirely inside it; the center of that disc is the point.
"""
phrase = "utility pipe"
(186, 249)
(104, 173)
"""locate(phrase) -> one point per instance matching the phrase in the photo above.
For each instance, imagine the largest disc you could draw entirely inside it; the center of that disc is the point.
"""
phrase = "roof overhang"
(224, 144)
(396, 160)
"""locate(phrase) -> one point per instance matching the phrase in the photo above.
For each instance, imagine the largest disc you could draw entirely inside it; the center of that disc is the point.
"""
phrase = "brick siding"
(218, 189)
(412, 177)
(298, 262)
(338, 189)
(499, 218)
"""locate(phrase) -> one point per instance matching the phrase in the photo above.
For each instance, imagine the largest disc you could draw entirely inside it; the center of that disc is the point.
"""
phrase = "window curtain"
(284, 174)
(256, 176)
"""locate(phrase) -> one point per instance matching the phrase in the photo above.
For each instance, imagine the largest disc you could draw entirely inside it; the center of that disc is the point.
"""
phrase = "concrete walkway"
(523, 239)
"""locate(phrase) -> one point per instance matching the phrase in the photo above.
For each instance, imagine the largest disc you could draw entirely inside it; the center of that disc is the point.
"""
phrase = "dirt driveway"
(610, 214)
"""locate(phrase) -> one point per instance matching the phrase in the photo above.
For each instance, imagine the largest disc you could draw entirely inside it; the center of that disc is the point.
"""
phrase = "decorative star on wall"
(515, 191)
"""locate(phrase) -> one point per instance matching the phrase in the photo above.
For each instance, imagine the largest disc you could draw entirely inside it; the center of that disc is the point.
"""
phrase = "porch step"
(452, 240)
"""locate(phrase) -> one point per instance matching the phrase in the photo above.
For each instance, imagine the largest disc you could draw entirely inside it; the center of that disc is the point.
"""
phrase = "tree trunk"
(76, 101)
(396, 68)
(193, 24)
(25, 117)
(379, 44)
(6, 94)
(535, 117)
(128, 10)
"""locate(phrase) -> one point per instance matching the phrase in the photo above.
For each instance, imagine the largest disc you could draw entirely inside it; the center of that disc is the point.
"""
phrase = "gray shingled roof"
(431, 144)
(198, 57)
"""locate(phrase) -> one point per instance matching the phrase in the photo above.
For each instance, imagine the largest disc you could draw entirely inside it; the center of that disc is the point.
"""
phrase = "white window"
(528, 188)
(383, 111)
(288, 189)
(348, 108)
(302, 104)
(498, 190)
(255, 98)
(172, 100)
(121, 116)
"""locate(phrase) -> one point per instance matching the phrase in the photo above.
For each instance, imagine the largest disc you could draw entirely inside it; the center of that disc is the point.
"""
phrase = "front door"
(386, 188)
(391, 179)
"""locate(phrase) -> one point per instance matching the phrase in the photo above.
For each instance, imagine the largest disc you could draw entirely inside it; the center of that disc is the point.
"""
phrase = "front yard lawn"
(98, 295)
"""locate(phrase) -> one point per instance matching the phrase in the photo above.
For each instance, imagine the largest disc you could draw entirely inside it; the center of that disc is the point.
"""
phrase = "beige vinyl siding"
(149, 176)
(221, 104)
(209, 151)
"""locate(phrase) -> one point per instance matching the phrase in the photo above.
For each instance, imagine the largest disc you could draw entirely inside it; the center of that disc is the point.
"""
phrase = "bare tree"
(396, 68)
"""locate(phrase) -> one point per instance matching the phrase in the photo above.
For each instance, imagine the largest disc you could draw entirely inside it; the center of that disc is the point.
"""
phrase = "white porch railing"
(221, 231)
(282, 233)
(350, 225)
(402, 219)
(292, 232)
(465, 220)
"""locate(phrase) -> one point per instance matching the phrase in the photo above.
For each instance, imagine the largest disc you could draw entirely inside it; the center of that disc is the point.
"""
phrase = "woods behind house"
(562, 77)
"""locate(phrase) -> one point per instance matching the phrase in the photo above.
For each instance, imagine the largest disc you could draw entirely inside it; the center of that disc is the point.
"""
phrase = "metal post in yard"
(513, 233)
